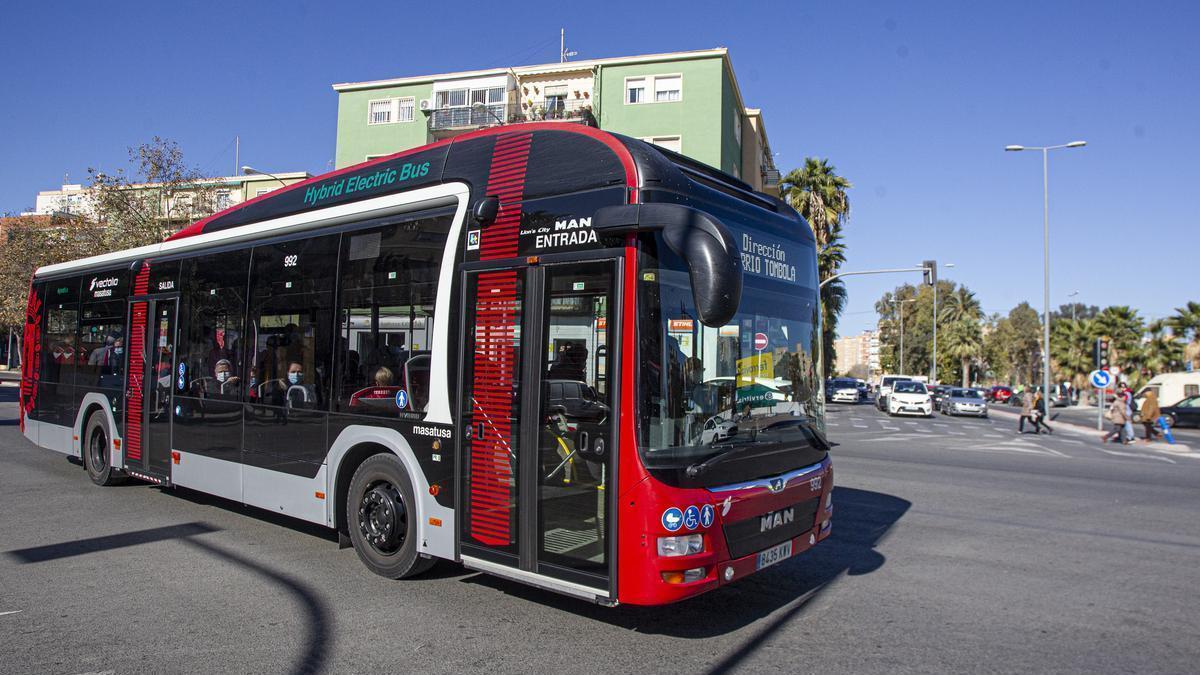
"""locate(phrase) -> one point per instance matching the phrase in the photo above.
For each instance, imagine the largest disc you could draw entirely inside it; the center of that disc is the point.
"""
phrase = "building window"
(636, 90)
(379, 112)
(262, 191)
(737, 129)
(223, 202)
(668, 88)
(405, 110)
(556, 100)
(672, 143)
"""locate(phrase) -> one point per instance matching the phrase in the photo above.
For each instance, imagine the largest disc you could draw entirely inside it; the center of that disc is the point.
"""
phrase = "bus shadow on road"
(862, 520)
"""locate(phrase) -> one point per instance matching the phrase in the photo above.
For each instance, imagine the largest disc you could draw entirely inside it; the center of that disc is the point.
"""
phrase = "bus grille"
(763, 531)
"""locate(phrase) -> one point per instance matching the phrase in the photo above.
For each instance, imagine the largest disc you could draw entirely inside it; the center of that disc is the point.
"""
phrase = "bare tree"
(158, 195)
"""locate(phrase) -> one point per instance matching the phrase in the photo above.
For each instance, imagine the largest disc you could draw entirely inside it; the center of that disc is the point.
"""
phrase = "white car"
(910, 398)
(845, 395)
(716, 429)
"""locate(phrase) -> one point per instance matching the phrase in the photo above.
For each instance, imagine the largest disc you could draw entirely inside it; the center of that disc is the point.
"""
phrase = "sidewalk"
(1178, 448)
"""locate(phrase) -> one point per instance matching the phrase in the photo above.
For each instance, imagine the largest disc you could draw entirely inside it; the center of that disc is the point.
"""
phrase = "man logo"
(776, 518)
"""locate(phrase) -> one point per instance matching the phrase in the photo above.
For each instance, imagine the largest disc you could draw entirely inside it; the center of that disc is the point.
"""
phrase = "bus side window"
(211, 336)
(291, 305)
(102, 345)
(388, 285)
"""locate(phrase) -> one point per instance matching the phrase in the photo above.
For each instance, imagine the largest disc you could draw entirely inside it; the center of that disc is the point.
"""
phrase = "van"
(1172, 387)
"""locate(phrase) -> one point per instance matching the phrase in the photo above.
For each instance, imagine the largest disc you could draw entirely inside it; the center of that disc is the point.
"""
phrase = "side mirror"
(711, 254)
(486, 209)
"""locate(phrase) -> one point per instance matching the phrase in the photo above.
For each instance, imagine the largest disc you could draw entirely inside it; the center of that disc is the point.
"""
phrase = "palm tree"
(819, 195)
(964, 341)
(1161, 352)
(1072, 348)
(1186, 325)
(1123, 327)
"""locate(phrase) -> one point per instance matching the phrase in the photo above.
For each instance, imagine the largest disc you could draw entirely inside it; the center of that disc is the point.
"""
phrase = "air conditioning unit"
(426, 105)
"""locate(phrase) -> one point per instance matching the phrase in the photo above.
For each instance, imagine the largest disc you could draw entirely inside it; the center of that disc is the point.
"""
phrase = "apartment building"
(688, 102)
(856, 352)
(174, 203)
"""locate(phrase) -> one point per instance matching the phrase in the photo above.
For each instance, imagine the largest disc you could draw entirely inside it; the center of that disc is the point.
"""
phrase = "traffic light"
(1101, 353)
(930, 272)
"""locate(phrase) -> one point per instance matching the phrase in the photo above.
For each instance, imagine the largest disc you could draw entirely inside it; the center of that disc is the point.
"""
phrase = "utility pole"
(237, 154)
(563, 54)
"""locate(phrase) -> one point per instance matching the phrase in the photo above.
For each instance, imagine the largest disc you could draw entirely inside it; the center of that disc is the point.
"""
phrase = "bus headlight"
(688, 544)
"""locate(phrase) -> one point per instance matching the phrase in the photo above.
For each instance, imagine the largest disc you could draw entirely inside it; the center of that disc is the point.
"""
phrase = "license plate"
(774, 554)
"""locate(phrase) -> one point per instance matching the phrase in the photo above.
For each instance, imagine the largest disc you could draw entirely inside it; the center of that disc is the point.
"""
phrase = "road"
(958, 546)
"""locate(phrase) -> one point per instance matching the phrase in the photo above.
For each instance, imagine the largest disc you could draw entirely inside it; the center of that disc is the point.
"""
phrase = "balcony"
(460, 118)
(556, 109)
(447, 121)
(770, 177)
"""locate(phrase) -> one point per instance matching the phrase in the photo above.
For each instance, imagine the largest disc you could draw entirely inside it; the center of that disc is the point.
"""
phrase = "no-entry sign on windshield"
(760, 341)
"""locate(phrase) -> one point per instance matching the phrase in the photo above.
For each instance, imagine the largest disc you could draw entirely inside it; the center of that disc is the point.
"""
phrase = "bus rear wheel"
(96, 439)
(381, 517)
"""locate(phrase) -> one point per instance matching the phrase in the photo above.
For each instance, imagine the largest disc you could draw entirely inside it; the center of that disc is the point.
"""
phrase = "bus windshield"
(733, 402)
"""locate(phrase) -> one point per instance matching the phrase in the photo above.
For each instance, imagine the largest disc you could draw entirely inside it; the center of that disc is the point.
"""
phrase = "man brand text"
(102, 288)
(436, 432)
(360, 182)
(571, 232)
(775, 519)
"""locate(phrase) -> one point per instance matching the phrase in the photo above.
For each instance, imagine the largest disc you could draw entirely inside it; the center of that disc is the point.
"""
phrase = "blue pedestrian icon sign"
(1100, 379)
(402, 399)
(707, 513)
(672, 519)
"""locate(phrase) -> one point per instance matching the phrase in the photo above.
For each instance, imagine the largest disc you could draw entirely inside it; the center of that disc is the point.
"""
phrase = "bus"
(547, 352)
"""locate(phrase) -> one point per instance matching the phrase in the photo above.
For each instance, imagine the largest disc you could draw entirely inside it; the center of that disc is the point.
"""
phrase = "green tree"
(1072, 345)
(1161, 351)
(819, 194)
(1186, 325)
(1123, 328)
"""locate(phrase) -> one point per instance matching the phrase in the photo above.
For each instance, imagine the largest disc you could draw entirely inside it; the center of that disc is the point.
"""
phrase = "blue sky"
(913, 102)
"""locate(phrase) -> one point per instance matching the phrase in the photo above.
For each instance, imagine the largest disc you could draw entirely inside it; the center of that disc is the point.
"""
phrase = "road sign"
(760, 341)
(1100, 379)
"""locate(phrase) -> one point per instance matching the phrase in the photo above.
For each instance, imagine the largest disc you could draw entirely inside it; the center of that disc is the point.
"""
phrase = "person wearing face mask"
(227, 382)
(300, 394)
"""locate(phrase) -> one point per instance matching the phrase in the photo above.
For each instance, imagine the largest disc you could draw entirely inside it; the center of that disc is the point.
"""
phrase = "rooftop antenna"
(563, 54)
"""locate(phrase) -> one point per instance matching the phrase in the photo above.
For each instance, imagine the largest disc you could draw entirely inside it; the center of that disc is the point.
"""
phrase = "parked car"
(910, 398)
(1185, 413)
(716, 429)
(999, 394)
(577, 400)
(939, 392)
(964, 402)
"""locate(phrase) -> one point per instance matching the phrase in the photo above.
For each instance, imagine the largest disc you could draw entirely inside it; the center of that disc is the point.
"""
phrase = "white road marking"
(993, 435)
(940, 424)
(1118, 453)
(856, 419)
(15, 611)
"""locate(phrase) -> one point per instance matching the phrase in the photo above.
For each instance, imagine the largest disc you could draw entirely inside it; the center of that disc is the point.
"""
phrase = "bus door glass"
(151, 380)
(537, 406)
(574, 440)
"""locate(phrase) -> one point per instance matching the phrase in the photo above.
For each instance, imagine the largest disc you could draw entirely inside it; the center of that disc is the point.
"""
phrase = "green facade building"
(685, 101)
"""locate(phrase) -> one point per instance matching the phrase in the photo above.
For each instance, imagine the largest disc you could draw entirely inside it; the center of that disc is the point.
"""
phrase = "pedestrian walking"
(1116, 415)
(1130, 408)
(1039, 414)
(1150, 413)
(1026, 412)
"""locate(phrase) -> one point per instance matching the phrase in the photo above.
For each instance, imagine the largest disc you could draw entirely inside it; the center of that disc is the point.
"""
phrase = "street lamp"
(478, 105)
(1072, 296)
(1046, 254)
(251, 171)
(932, 264)
(900, 308)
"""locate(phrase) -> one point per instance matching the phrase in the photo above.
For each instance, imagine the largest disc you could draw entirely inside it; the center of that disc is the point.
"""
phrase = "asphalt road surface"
(958, 546)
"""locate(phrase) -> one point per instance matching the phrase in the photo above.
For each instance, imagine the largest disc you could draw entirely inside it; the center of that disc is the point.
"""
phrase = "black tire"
(381, 518)
(1171, 421)
(96, 439)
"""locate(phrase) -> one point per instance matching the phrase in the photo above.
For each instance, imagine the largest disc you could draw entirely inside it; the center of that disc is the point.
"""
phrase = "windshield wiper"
(815, 437)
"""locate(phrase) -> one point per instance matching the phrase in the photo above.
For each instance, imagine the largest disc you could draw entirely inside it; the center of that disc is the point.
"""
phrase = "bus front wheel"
(95, 451)
(382, 518)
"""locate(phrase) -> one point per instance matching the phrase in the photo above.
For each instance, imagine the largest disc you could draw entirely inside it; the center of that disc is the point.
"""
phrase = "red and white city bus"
(547, 352)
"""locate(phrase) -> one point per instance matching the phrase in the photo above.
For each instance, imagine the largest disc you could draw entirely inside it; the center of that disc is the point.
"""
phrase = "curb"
(1178, 447)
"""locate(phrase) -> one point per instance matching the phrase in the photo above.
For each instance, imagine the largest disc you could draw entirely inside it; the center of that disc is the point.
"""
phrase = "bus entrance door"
(539, 378)
(148, 390)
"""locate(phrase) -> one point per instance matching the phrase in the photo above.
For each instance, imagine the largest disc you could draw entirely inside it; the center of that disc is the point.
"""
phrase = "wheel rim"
(383, 518)
(96, 447)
